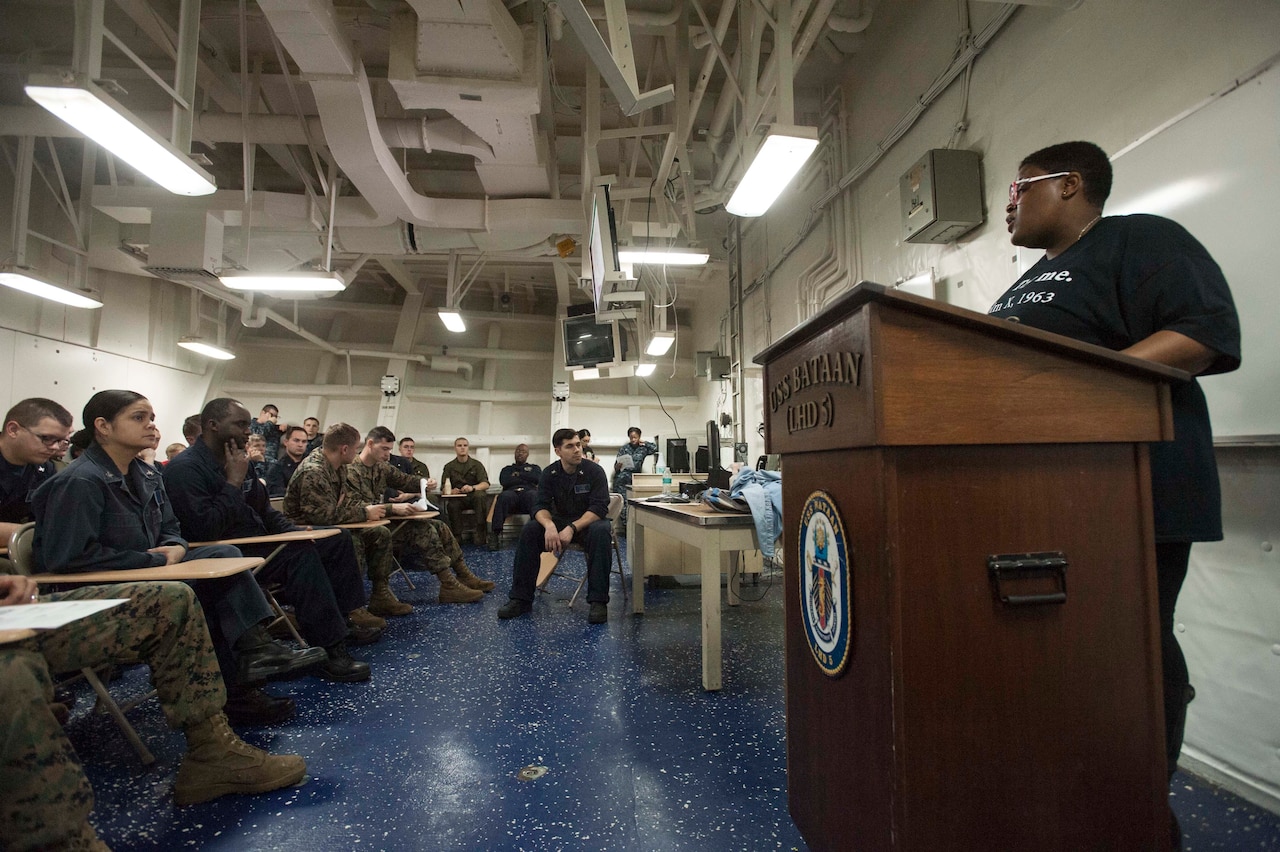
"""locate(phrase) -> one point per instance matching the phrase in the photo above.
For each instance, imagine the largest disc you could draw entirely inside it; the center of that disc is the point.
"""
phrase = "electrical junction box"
(941, 196)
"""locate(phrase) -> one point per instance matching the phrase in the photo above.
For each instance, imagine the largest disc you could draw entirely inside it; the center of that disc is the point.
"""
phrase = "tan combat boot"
(363, 618)
(451, 591)
(384, 603)
(218, 763)
(471, 581)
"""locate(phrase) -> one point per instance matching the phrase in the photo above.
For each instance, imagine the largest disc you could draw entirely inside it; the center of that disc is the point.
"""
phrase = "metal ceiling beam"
(621, 80)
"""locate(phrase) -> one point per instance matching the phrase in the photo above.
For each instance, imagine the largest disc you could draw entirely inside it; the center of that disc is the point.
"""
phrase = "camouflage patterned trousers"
(44, 796)
(432, 539)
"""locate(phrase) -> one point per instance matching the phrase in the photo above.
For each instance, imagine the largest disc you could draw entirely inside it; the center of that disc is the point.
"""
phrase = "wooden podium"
(988, 489)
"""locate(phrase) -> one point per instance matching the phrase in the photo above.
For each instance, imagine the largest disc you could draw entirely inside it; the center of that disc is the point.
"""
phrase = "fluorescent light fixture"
(660, 343)
(208, 350)
(656, 256)
(86, 107)
(28, 281)
(452, 320)
(284, 282)
(785, 149)
(646, 369)
(587, 373)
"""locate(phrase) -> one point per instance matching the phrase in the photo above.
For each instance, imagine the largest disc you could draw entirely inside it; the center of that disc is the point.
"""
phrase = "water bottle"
(666, 480)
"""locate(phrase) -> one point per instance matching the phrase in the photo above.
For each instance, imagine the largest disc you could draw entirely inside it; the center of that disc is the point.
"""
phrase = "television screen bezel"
(614, 333)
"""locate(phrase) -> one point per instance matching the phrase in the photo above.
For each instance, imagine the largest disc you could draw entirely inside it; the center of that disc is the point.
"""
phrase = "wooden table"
(195, 569)
(7, 636)
(363, 525)
(713, 534)
(275, 538)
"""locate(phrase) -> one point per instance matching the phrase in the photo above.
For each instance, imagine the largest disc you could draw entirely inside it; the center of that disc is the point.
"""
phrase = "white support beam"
(624, 89)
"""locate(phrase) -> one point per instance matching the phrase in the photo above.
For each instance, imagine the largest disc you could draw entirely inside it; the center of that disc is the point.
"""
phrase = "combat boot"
(384, 603)
(451, 591)
(471, 581)
(218, 763)
(363, 618)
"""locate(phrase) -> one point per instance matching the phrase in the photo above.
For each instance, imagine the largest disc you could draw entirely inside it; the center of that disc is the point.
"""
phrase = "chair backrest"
(615, 507)
(20, 547)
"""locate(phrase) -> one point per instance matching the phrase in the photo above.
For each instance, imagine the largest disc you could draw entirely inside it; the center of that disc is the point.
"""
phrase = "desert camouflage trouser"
(373, 550)
(433, 540)
(44, 796)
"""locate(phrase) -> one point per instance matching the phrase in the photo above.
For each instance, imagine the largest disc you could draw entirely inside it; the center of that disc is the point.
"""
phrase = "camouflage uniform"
(318, 495)
(470, 472)
(433, 539)
(44, 795)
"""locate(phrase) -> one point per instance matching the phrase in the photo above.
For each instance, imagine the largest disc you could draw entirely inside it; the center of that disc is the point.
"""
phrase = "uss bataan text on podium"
(971, 639)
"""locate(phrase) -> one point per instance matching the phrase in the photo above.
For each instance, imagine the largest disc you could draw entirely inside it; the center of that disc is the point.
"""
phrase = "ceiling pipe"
(309, 32)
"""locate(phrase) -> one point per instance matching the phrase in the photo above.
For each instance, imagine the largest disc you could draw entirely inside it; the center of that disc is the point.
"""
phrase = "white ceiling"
(460, 125)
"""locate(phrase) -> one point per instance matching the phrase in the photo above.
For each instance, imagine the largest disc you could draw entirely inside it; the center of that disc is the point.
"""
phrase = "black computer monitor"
(717, 476)
(678, 455)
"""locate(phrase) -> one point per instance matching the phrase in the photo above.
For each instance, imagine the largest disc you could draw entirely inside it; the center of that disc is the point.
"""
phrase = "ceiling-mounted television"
(614, 293)
(590, 343)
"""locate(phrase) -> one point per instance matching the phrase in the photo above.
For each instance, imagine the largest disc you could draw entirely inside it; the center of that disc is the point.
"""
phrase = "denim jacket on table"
(761, 491)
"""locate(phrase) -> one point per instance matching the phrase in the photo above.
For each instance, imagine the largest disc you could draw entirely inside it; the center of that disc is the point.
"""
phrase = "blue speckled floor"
(426, 755)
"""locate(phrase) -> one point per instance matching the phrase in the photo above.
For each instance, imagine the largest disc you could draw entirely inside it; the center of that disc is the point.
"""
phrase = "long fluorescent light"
(86, 107)
(452, 320)
(208, 350)
(27, 281)
(586, 373)
(663, 256)
(646, 369)
(660, 343)
(783, 152)
(284, 282)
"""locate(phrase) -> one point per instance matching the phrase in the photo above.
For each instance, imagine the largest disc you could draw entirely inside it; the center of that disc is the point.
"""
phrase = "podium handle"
(1007, 569)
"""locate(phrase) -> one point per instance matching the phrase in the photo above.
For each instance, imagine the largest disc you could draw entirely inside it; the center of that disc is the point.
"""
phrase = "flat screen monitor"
(717, 476)
(588, 343)
(678, 455)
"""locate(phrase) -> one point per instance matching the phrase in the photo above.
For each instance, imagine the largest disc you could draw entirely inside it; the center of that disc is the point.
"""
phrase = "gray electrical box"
(941, 196)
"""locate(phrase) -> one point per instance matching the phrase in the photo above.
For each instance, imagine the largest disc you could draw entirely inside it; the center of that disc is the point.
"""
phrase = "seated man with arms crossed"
(468, 477)
(369, 477)
(214, 498)
(318, 494)
(519, 487)
(45, 798)
(281, 470)
(572, 505)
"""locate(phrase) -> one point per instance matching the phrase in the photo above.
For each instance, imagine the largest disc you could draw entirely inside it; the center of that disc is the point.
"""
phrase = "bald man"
(519, 488)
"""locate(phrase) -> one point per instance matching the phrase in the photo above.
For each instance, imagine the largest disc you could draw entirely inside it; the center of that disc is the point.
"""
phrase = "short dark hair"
(317, 419)
(635, 429)
(378, 434)
(191, 427)
(31, 411)
(288, 432)
(562, 435)
(216, 409)
(1083, 157)
(271, 408)
(584, 433)
(407, 439)
(340, 435)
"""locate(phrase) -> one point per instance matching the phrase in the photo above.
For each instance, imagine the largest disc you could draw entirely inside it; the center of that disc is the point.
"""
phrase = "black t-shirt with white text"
(1125, 279)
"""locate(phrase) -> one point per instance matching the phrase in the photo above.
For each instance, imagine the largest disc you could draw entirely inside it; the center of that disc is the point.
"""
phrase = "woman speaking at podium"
(1143, 286)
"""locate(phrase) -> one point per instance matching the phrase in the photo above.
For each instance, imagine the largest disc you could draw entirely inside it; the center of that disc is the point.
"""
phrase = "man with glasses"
(35, 431)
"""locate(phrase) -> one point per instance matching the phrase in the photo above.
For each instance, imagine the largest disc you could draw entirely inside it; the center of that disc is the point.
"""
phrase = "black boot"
(248, 706)
(341, 667)
(260, 658)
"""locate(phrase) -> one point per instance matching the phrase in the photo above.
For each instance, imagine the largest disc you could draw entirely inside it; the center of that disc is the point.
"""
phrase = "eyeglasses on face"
(50, 441)
(1020, 185)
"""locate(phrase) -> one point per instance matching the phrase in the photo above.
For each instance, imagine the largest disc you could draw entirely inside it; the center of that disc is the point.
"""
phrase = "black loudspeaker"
(701, 460)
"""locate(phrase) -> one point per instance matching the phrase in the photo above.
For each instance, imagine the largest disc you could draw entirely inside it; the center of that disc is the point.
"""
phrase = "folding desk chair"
(551, 566)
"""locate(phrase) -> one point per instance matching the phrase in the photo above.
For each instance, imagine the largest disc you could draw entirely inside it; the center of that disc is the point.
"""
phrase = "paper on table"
(46, 616)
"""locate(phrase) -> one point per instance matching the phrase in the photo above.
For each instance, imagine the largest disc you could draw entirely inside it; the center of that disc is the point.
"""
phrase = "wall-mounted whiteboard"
(1217, 173)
